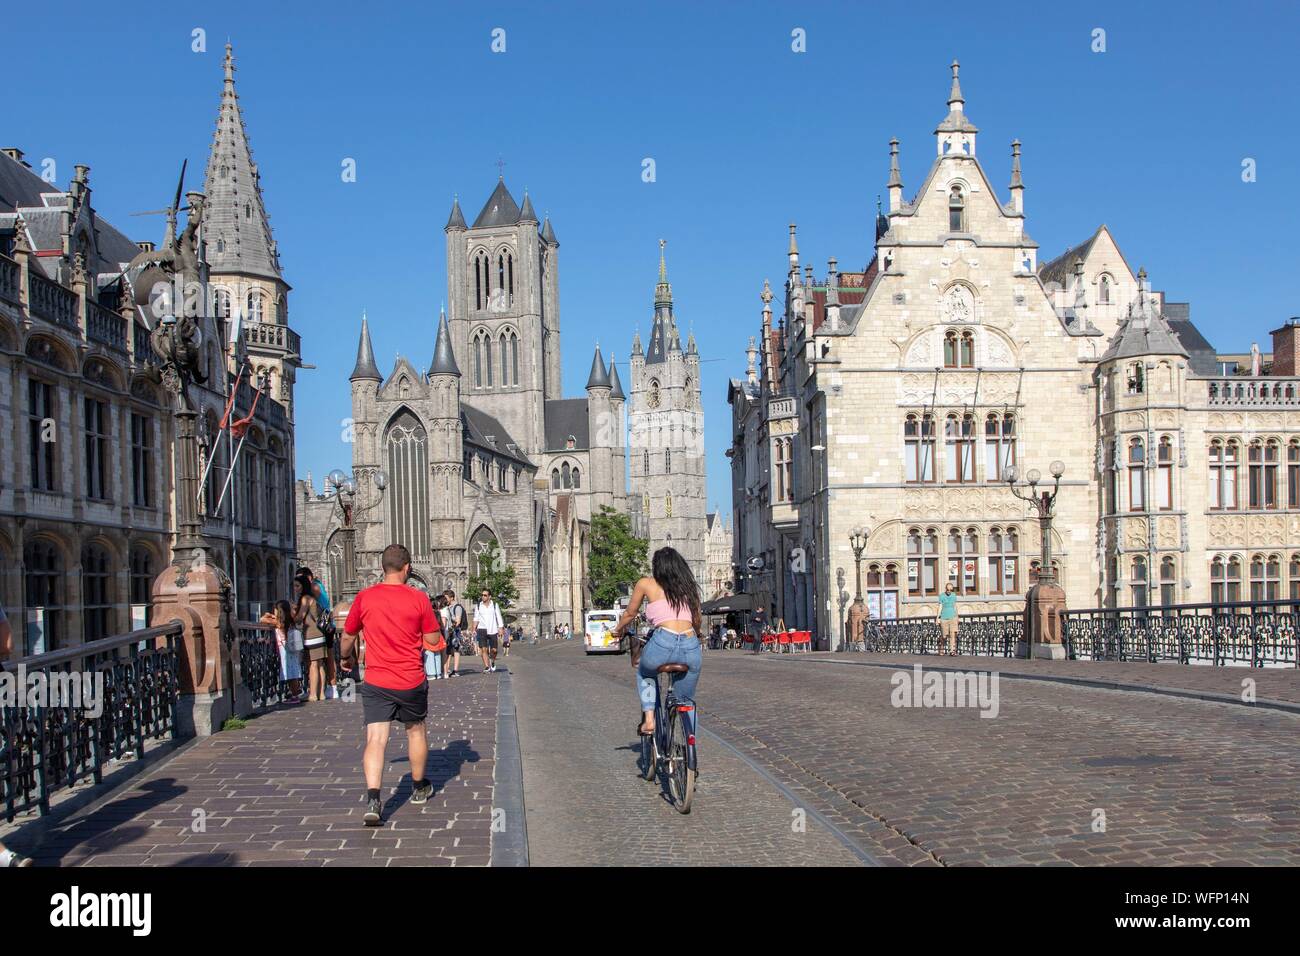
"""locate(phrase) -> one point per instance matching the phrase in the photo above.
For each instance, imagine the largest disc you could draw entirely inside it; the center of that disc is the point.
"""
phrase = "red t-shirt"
(395, 619)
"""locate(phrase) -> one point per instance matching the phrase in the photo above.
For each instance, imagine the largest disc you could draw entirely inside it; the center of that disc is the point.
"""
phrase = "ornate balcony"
(52, 302)
(105, 327)
(1254, 392)
(269, 337)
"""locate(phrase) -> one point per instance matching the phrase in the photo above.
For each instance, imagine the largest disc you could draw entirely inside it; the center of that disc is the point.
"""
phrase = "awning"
(725, 605)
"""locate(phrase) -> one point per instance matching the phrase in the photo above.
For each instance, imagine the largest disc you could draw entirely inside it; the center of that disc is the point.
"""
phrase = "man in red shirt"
(396, 620)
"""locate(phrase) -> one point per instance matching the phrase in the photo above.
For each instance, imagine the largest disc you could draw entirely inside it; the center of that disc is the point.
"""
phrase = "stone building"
(86, 496)
(483, 453)
(666, 436)
(891, 400)
(718, 578)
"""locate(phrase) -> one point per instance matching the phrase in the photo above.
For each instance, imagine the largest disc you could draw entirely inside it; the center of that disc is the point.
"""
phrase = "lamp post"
(858, 614)
(1045, 601)
(345, 488)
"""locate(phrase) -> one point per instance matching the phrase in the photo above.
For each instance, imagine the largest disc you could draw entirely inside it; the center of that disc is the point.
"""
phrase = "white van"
(598, 633)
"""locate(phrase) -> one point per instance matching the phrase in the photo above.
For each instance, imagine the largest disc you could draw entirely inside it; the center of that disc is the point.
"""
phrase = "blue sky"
(747, 136)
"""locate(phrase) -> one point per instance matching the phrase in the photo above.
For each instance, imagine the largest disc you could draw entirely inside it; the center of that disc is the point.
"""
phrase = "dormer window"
(956, 210)
(1103, 290)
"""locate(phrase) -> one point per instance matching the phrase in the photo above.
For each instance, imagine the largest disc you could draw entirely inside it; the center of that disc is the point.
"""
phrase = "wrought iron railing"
(1253, 633)
(105, 326)
(259, 664)
(984, 635)
(68, 713)
(10, 280)
(51, 301)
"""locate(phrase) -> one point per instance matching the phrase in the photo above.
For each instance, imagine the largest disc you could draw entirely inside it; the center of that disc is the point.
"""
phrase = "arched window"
(918, 441)
(480, 282)
(959, 446)
(956, 210)
(1225, 458)
(510, 278)
(505, 359)
(43, 587)
(1136, 479)
(1103, 290)
(999, 445)
(142, 575)
(1265, 574)
(1168, 581)
(882, 591)
(967, 350)
(645, 462)
(668, 505)
(1165, 474)
(254, 305)
(1293, 474)
(221, 304)
(501, 271)
(555, 479)
(922, 562)
(1136, 378)
(1004, 551)
(482, 359)
(950, 349)
(577, 477)
(96, 594)
(963, 560)
(514, 359)
(408, 493)
(1138, 581)
(566, 476)
(784, 466)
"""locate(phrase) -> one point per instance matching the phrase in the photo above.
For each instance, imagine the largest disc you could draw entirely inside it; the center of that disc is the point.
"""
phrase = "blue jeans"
(432, 664)
(666, 647)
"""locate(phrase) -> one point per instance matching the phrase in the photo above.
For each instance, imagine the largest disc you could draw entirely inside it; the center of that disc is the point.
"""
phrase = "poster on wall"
(891, 606)
(873, 606)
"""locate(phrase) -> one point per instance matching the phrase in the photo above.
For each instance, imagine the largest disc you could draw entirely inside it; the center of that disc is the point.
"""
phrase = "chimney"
(1286, 348)
(16, 154)
(146, 246)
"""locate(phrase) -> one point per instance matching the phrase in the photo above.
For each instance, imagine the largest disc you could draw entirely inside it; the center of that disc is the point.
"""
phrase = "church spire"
(1017, 184)
(365, 369)
(956, 134)
(457, 218)
(444, 359)
(955, 99)
(599, 377)
(895, 177)
(663, 290)
(237, 230)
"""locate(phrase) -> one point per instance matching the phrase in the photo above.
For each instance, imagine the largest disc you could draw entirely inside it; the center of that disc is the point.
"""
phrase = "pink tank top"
(656, 612)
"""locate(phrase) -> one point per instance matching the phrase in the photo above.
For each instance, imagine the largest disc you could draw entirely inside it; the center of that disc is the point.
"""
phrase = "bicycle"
(671, 747)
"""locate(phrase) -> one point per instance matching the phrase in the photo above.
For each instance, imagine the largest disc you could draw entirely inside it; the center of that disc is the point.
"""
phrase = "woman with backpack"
(307, 616)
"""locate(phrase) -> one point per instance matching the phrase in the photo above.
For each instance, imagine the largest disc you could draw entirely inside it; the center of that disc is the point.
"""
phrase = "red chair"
(801, 639)
(783, 639)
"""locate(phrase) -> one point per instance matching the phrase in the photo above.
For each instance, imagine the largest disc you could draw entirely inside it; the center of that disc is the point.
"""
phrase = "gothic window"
(96, 437)
(577, 477)
(668, 461)
(963, 560)
(408, 494)
(999, 445)
(510, 277)
(142, 461)
(1262, 465)
(956, 210)
(501, 272)
(882, 591)
(505, 359)
(221, 304)
(1165, 474)
(653, 398)
(555, 479)
(1224, 461)
(1103, 290)
(1004, 548)
(1138, 581)
(96, 594)
(1168, 581)
(1136, 378)
(565, 476)
(43, 584)
(248, 210)
(1265, 575)
(950, 349)
(142, 575)
(1136, 481)
(645, 463)
(501, 477)
(959, 446)
(254, 306)
(40, 435)
(966, 350)
(482, 359)
(1293, 475)
(918, 439)
(922, 563)
(480, 282)
(514, 359)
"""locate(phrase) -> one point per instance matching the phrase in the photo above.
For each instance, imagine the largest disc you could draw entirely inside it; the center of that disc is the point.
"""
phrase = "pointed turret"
(690, 344)
(548, 233)
(895, 177)
(599, 377)
(365, 369)
(956, 134)
(236, 229)
(444, 359)
(794, 254)
(457, 218)
(663, 290)
(636, 343)
(1017, 184)
(500, 209)
(526, 214)
(615, 386)
(1145, 331)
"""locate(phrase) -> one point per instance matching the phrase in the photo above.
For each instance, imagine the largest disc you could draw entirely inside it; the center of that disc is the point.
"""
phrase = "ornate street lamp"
(858, 613)
(345, 494)
(1042, 502)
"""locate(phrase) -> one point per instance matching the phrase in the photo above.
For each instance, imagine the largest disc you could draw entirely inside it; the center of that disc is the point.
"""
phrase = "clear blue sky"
(747, 135)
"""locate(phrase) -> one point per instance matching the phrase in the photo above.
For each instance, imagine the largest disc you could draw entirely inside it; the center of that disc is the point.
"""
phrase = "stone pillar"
(1044, 623)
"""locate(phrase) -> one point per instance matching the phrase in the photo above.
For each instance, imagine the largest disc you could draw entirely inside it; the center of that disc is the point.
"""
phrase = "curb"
(510, 846)
(1284, 706)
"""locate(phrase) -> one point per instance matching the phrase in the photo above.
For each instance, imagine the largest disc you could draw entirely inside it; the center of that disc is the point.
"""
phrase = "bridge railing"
(984, 635)
(67, 714)
(1243, 633)
(259, 664)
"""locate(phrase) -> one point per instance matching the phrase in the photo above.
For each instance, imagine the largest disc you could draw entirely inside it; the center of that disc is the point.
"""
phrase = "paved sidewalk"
(1271, 683)
(287, 790)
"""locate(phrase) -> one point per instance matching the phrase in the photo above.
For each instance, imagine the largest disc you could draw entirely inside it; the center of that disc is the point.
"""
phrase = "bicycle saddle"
(673, 668)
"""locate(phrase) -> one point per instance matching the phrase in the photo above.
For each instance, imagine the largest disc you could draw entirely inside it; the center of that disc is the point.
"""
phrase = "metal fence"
(259, 664)
(65, 715)
(985, 635)
(1243, 633)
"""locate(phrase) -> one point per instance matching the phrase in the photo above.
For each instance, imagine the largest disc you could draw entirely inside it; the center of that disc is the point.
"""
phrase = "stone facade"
(890, 402)
(480, 447)
(86, 521)
(666, 436)
(719, 578)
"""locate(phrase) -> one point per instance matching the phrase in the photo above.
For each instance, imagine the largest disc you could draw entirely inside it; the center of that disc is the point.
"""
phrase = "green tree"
(618, 557)
(496, 575)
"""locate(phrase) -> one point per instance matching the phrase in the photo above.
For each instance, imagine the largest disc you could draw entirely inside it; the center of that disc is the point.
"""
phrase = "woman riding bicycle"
(673, 611)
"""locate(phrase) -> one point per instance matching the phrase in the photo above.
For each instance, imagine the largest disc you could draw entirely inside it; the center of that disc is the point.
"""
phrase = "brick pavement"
(1178, 781)
(287, 790)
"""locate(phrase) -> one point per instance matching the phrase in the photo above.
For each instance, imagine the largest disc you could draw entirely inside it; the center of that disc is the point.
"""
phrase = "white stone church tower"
(666, 429)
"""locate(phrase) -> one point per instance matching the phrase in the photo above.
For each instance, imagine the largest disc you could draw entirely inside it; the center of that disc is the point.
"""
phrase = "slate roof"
(457, 218)
(499, 210)
(365, 367)
(1061, 269)
(615, 386)
(599, 377)
(565, 417)
(1144, 332)
(444, 359)
(486, 432)
(1200, 353)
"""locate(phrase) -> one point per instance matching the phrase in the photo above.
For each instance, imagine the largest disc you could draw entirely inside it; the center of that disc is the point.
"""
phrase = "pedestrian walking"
(488, 626)
(307, 616)
(327, 628)
(457, 639)
(398, 623)
(433, 652)
(948, 621)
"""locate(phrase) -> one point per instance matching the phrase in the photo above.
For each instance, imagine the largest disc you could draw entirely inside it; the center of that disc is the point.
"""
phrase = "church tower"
(244, 263)
(666, 425)
(504, 313)
(446, 458)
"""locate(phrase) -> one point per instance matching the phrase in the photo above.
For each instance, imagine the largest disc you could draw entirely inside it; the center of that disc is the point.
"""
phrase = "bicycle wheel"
(681, 775)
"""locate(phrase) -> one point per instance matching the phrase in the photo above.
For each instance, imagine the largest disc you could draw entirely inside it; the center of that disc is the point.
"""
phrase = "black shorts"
(487, 640)
(379, 705)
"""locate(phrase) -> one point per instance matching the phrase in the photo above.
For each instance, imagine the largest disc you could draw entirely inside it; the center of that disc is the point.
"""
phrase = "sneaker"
(14, 858)
(373, 815)
(422, 792)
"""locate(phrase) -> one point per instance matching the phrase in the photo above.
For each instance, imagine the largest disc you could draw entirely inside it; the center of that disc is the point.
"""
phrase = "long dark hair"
(674, 575)
(285, 608)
